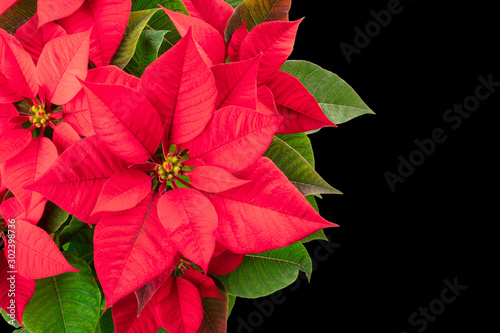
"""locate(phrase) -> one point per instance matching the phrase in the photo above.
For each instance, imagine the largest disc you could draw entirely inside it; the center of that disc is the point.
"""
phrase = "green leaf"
(77, 232)
(264, 273)
(9, 320)
(53, 218)
(17, 15)
(230, 304)
(65, 303)
(301, 143)
(136, 24)
(320, 234)
(105, 324)
(296, 167)
(339, 101)
(161, 21)
(234, 3)
(256, 12)
(147, 51)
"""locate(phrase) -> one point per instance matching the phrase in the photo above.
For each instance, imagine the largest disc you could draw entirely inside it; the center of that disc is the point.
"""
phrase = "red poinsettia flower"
(211, 186)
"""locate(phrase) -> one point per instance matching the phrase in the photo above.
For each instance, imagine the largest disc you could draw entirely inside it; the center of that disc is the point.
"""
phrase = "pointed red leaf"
(237, 83)
(147, 292)
(251, 217)
(17, 68)
(76, 112)
(265, 101)
(64, 136)
(190, 220)
(205, 285)
(209, 39)
(75, 179)
(37, 256)
(225, 263)
(123, 191)
(21, 294)
(275, 40)
(126, 320)
(51, 10)
(6, 4)
(33, 39)
(235, 138)
(130, 249)
(182, 88)
(214, 12)
(124, 120)
(7, 112)
(239, 36)
(62, 62)
(179, 306)
(26, 168)
(109, 19)
(13, 209)
(300, 110)
(213, 179)
(13, 142)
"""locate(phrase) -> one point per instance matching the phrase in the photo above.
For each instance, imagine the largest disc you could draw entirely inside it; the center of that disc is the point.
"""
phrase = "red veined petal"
(6, 4)
(214, 12)
(209, 39)
(300, 110)
(234, 45)
(51, 10)
(123, 191)
(109, 19)
(275, 40)
(213, 179)
(205, 285)
(124, 120)
(13, 142)
(182, 88)
(33, 39)
(190, 220)
(126, 319)
(63, 61)
(251, 216)
(7, 112)
(64, 136)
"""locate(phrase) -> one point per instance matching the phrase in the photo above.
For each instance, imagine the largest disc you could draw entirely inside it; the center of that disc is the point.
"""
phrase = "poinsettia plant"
(155, 162)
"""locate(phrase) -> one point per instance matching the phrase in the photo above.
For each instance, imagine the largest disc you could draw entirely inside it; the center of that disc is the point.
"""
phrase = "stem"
(156, 160)
(42, 130)
(183, 152)
(29, 101)
(52, 125)
(174, 185)
(184, 182)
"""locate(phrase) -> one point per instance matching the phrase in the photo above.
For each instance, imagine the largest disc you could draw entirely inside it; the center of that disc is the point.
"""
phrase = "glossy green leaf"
(53, 218)
(161, 21)
(9, 320)
(136, 24)
(234, 3)
(256, 12)
(65, 303)
(147, 50)
(264, 273)
(297, 168)
(339, 101)
(105, 324)
(77, 232)
(17, 15)
(230, 304)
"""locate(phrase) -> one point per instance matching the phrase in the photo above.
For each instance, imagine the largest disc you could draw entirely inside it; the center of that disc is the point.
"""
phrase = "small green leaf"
(9, 320)
(256, 12)
(105, 324)
(234, 3)
(230, 304)
(136, 24)
(77, 232)
(17, 15)
(53, 218)
(65, 303)
(147, 51)
(296, 167)
(337, 99)
(264, 273)
(161, 21)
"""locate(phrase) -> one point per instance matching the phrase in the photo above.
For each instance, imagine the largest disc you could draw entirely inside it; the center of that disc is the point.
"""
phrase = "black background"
(397, 248)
